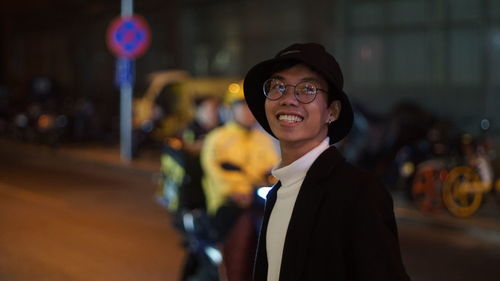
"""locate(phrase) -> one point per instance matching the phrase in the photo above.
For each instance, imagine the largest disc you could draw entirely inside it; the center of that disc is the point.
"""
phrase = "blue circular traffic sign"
(128, 36)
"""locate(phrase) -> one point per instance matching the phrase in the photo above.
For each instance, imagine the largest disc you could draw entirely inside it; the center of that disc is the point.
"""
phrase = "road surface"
(68, 221)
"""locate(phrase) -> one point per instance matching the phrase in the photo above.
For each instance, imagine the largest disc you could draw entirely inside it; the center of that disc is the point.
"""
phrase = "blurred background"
(442, 55)
(423, 77)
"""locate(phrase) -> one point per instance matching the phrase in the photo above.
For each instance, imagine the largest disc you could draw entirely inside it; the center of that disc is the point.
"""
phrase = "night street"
(65, 220)
(100, 101)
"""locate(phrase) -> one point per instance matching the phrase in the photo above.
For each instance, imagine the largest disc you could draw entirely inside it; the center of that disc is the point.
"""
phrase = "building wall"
(67, 43)
(442, 54)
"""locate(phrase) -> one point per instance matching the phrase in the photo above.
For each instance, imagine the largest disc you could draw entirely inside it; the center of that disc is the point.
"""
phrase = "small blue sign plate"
(124, 72)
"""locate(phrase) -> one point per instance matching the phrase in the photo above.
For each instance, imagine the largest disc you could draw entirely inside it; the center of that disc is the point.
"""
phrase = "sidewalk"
(484, 225)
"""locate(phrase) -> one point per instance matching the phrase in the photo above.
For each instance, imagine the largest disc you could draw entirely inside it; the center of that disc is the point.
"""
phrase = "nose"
(289, 96)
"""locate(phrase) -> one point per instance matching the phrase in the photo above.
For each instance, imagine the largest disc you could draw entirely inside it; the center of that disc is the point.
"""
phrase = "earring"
(330, 121)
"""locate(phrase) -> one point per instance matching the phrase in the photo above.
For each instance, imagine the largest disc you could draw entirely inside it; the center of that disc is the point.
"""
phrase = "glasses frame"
(282, 93)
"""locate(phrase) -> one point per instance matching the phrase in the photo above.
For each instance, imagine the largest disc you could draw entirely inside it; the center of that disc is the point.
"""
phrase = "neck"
(293, 151)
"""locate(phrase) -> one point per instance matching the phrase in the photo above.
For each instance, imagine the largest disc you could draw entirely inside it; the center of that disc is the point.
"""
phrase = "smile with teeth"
(290, 118)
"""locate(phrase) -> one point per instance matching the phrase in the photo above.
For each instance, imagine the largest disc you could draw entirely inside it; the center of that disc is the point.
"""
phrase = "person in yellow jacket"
(236, 158)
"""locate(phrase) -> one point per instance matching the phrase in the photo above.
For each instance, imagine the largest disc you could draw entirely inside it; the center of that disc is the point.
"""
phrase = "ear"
(335, 108)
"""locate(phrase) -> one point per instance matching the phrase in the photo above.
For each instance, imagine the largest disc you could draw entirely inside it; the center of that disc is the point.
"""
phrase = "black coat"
(342, 227)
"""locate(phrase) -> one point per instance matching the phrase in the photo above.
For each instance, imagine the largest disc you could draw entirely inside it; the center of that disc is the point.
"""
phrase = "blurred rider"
(181, 190)
(191, 196)
(236, 159)
(206, 118)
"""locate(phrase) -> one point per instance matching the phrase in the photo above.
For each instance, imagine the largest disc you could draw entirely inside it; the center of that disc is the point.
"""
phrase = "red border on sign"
(116, 48)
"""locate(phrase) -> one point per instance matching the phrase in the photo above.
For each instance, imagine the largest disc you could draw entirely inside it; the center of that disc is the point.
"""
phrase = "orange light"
(44, 121)
(175, 143)
(234, 87)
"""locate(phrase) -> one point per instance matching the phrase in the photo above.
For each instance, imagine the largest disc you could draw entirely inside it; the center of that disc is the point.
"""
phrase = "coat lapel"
(303, 218)
(260, 268)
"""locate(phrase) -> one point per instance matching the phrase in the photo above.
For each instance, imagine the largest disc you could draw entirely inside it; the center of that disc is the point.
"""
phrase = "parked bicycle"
(466, 185)
(458, 182)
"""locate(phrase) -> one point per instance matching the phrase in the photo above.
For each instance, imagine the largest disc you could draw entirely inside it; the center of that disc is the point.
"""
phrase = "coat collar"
(302, 220)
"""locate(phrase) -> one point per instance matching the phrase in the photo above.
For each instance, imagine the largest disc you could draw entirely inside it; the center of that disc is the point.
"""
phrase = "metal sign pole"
(126, 101)
(127, 7)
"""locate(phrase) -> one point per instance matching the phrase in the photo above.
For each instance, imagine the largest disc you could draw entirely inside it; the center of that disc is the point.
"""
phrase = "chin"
(289, 137)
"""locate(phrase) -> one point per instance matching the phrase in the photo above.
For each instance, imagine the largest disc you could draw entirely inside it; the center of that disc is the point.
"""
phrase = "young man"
(325, 219)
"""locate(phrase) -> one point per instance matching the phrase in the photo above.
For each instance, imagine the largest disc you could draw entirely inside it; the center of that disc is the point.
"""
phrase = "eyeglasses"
(305, 92)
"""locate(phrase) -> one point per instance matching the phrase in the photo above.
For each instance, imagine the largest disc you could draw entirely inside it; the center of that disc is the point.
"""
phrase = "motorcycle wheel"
(459, 195)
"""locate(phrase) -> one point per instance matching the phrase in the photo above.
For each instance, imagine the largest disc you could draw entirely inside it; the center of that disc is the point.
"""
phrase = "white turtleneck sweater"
(291, 178)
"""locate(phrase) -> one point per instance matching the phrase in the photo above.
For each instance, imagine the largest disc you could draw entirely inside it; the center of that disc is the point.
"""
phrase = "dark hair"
(280, 66)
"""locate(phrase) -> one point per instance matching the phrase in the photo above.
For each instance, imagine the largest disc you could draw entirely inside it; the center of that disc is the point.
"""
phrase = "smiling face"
(300, 127)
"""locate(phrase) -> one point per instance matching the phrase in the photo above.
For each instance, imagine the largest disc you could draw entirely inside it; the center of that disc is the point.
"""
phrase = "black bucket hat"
(315, 56)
